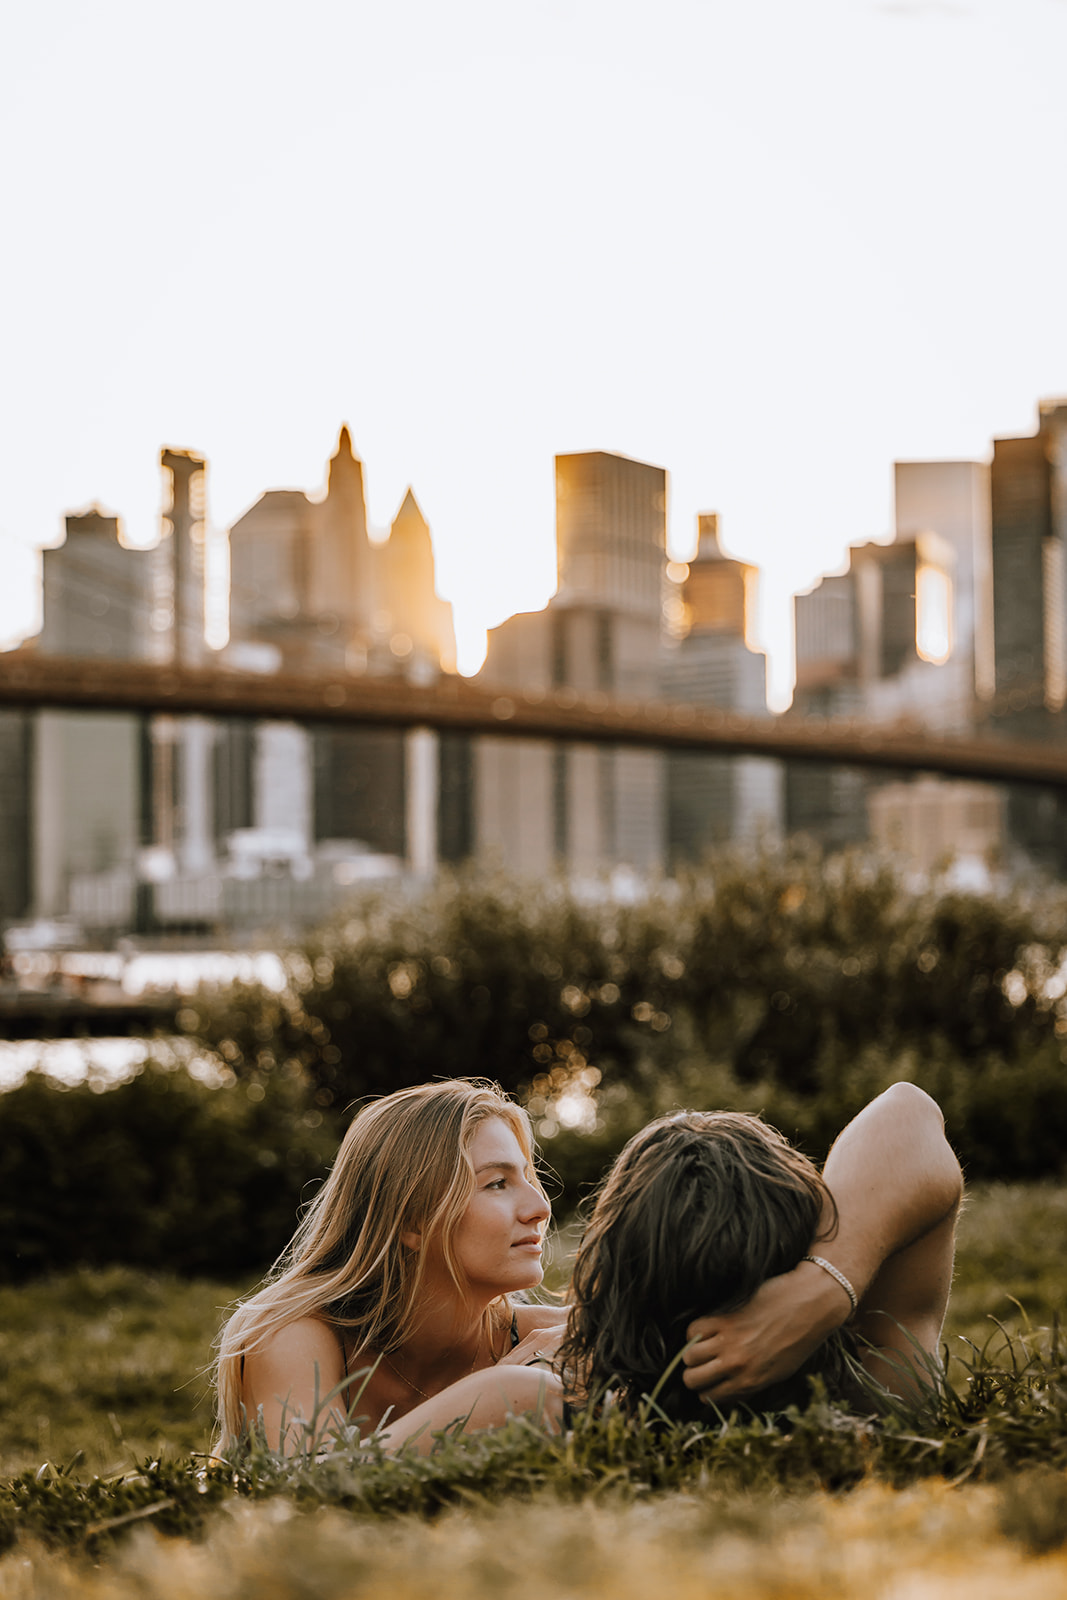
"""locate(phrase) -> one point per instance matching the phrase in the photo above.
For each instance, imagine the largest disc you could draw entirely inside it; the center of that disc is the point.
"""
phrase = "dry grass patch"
(929, 1542)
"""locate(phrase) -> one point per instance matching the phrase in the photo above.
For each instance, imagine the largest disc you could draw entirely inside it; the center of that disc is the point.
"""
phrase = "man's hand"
(766, 1340)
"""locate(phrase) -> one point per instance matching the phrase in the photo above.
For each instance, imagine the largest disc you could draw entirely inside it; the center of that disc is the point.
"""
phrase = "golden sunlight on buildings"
(933, 614)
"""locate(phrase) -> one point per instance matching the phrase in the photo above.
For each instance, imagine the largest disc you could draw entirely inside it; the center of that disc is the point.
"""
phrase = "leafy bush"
(776, 983)
(779, 981)
(161, 1172)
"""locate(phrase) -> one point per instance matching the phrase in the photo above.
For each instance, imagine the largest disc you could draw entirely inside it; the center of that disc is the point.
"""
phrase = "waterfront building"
(714, 799)
(935, 823)
(951, 499)
(1029, 522)
(106, 787)
(16, 815)
(310, 591)
(897, 636)
(585, 809)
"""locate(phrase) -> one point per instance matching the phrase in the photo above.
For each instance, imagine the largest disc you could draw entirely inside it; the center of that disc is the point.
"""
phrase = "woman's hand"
(766, 1339)
(540, 1342)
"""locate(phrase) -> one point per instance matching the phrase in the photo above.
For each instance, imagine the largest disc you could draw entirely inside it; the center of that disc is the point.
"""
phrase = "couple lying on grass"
(398, 1303)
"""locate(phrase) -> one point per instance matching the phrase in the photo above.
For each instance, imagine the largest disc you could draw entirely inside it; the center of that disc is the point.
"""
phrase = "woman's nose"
(537, 1208)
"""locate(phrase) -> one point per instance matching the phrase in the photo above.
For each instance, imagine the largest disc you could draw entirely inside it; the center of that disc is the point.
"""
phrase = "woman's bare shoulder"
(303, 1343)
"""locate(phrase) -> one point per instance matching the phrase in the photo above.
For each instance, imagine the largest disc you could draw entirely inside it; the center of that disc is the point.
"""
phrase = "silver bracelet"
(838, 1276)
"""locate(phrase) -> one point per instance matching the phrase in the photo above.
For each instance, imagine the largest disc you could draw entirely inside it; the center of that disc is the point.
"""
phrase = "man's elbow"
(907, 1099)
(924, 1123)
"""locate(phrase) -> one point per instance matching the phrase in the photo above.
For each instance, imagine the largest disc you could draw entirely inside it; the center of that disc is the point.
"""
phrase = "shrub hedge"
(160, 1172)
(779, 983)
(780, 980)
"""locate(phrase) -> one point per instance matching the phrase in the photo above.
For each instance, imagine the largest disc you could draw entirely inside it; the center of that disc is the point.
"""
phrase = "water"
(105, 1062)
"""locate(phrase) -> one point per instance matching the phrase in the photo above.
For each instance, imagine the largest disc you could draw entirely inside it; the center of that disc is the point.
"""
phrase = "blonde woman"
(395, 1295)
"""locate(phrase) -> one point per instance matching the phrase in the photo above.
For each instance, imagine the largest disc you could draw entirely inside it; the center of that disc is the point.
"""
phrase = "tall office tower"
(310, 591)
(89, 826)
(1029, 495)
(886, 624)
(610, 532)
(904, 601)
(713, 799)
(611, 541)
(519, 786)
(951, 499)
(587, 808)
(877, 642)
(1029, 511)
(930, 819)
(829, 803)
(108, 788)
(455, 797)
(89, 769)
(16, 821)
(293, 568)
(97, 593)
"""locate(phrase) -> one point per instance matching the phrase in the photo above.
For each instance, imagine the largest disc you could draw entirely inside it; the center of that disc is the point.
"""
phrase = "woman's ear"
(411, 1241)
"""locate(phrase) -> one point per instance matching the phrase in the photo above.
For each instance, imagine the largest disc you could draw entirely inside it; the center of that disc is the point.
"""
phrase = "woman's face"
(500, 1237)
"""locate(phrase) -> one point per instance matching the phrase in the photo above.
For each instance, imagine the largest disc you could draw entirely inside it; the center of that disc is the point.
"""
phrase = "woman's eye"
(498, 1183)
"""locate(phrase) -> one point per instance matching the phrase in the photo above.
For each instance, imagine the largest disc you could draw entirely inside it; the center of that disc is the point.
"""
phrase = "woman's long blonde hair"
(403, 1167)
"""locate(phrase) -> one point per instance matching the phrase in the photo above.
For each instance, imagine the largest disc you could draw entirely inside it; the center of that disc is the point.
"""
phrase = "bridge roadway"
(456, 705)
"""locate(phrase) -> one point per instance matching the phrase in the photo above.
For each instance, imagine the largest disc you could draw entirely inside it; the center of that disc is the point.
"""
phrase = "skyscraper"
(714, 799)
(16, 818)
(1029, 516)
(952, 500)
(97, 593)
(585, 808)
(91, 772)
(310, 591)
(1029, 513)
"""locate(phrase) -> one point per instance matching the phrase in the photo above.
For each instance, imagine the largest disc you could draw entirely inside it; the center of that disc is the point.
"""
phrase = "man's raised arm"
(897, 1186)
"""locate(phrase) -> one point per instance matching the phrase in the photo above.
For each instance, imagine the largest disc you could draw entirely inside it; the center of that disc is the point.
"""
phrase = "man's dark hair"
(697, 1211)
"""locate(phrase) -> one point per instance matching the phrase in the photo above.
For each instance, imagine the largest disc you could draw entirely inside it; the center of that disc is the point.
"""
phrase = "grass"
(927, 1543)
(111, 1364)
(1011, 1250)
(106, 1365)
(107, 1368)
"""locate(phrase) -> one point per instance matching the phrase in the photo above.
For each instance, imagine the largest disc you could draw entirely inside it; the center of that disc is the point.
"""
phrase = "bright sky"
(770, 246)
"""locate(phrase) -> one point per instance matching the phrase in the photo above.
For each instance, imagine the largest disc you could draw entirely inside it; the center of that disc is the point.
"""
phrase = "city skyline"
(772, 249)
(225, 593)
(144, 819)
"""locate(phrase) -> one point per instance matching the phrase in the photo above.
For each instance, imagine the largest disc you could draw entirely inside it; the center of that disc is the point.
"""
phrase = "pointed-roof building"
(415, 610)
(306, 579)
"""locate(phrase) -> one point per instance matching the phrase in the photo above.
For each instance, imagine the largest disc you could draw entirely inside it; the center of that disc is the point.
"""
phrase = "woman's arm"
(281, 1379)
(897, 1186)
(486, 1399)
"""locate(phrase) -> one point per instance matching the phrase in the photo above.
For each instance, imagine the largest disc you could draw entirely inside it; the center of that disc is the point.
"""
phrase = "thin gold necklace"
(412, 1385)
